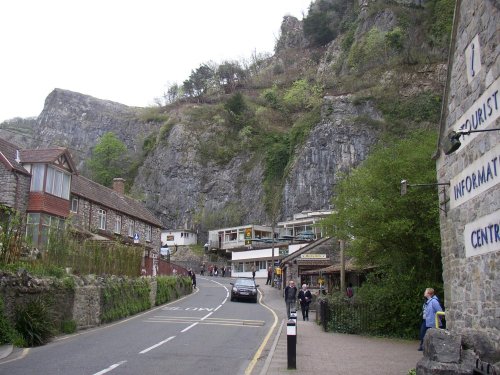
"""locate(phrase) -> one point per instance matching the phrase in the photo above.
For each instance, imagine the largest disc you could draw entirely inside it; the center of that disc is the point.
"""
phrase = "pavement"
(319, 352)
(5, 351)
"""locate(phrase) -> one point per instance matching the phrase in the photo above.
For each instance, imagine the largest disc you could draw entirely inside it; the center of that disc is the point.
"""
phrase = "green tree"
(397, 234)
(109, 159)
(325, 19)
(230, 74)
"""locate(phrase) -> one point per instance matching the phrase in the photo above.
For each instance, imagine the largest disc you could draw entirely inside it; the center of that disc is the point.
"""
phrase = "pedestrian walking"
(192, 275)
(429, 309)
(290, 297)
(269, 276)
(253, 272)
(305, 298)
(349, 291)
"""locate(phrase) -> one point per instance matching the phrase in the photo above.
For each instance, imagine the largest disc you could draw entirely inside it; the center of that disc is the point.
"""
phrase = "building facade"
(470, 217)
(44, 188)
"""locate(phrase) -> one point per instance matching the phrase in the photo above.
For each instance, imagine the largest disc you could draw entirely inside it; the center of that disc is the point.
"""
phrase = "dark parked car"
(244, 288)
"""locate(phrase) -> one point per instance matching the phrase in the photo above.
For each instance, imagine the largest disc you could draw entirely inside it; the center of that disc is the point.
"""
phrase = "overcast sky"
(127, 51)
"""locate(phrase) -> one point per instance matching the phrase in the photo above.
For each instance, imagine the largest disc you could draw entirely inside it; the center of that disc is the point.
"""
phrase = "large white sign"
(478, 177)
(483, 235)
(481, 114)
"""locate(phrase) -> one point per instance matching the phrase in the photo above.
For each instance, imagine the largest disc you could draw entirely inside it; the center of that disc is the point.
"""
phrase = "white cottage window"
(101, 217)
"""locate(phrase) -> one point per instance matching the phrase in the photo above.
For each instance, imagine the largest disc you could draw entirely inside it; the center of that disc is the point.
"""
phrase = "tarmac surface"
(319, 352)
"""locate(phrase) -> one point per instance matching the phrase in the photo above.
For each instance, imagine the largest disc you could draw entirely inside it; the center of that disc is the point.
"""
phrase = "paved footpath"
(320, 352)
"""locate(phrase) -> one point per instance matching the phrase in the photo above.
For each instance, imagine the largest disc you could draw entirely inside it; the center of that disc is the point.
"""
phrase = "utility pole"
(342, 266)
(272, 255)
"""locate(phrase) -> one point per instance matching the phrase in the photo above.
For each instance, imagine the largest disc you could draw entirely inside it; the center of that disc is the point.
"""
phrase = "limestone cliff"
(182, 178)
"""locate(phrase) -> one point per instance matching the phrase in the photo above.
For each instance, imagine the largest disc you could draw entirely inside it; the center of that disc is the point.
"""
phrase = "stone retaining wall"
(74, 298)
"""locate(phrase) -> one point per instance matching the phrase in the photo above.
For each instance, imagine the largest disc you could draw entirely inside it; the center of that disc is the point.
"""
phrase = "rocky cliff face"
(187, 191)
(340, 141)
(77, 121)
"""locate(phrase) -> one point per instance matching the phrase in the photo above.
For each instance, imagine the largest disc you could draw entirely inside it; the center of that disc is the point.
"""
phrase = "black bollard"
(293, 316)
(291, 340)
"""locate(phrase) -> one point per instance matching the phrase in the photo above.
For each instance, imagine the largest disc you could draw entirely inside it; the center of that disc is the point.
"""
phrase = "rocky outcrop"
(188, 191)
(340, 142)
(291, 35)
(185, 190)
(78, 121)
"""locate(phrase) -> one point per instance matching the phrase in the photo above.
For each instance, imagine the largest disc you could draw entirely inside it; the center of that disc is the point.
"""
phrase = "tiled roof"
(109, 198)
(47, 155)
(8, 154)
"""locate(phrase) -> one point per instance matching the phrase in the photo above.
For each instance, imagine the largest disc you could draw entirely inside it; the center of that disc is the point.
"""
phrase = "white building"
(178, 237)
(304, 224)
(243, 261)
(238, 237)
(251, 245)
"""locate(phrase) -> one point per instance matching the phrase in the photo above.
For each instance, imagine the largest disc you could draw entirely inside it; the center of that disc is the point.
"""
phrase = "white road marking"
(188, 328)
(110, 368)
(157, 345)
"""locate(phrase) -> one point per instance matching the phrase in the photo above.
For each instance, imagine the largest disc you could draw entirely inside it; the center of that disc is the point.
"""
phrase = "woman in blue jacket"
(430, 308)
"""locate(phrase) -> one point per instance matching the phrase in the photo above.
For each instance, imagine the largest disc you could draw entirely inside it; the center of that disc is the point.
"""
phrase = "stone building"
(110, 213)
(470, 215)
(43, 186)
(14, 179)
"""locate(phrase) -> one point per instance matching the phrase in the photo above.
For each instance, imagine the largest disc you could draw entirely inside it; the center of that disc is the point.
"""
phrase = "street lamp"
(453, 139)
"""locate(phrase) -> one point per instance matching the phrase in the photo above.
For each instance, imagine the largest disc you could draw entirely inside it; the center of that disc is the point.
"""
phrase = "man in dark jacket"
(290, 297)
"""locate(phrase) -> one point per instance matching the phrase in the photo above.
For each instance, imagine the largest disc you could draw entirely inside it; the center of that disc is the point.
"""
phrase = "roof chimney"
(119, 185)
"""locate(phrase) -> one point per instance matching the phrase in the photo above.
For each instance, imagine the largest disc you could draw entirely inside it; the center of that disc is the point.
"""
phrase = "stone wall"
(79, 299)
(469, 227)
(15, 189)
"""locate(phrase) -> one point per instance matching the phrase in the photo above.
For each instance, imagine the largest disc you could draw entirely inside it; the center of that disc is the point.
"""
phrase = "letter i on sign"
(473, 58)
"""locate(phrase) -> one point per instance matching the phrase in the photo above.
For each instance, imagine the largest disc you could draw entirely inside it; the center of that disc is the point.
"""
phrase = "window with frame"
(131, 228)
(74, 204)
(101, 217)
(58, 183)
(118, 224)
(51, 226)
(148, 233)
(37, 175)
(32, 228)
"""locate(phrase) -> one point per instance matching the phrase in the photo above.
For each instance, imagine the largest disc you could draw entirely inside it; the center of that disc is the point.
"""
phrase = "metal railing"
(345, 317)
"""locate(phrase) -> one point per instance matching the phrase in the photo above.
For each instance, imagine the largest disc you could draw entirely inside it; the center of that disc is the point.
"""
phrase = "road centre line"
(157, 345)
(206, 316)
(188, 328)
(110, 368)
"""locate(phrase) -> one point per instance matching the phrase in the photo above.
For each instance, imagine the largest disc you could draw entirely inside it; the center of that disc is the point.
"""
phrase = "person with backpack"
(429, 309)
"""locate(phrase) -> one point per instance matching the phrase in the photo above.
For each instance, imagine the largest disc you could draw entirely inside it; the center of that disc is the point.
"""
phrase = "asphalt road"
(202, 333)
